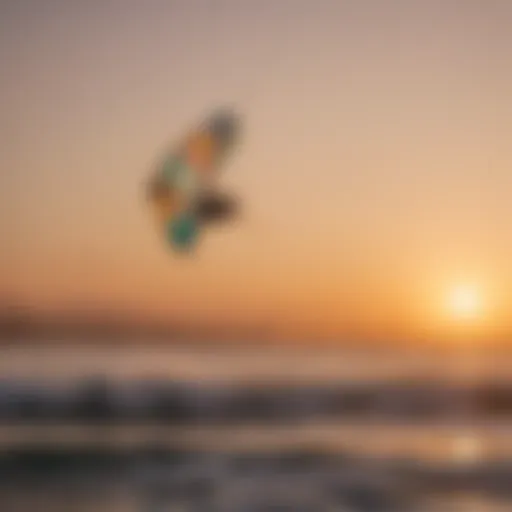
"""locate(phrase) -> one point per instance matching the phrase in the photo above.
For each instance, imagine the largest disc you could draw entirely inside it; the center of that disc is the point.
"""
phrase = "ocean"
(329, 429)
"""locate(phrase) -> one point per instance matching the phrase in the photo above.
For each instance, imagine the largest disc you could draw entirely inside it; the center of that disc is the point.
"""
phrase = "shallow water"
(241, 481)
(423, 442)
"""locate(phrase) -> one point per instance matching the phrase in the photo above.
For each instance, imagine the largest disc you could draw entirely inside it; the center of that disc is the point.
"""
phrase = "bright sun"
(464, 302)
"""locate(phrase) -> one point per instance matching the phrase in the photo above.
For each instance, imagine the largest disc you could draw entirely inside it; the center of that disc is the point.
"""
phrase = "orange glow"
(374, 168)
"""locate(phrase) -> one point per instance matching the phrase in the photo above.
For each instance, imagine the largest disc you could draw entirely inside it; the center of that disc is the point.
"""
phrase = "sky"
(374, 166)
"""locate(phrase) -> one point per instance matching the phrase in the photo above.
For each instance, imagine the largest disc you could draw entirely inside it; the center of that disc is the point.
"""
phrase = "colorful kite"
(183, 191)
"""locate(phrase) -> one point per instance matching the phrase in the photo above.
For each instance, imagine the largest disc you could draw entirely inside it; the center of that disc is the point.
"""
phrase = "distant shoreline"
(20, 325)
(234, 343)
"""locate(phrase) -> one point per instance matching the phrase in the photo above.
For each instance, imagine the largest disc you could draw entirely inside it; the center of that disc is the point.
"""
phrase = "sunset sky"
(375, 166)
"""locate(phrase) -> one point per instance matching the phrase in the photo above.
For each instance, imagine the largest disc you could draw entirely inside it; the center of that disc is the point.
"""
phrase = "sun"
(465, 302)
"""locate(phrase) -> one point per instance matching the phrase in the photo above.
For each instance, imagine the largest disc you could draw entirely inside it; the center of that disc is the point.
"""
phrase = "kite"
(183, 192)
